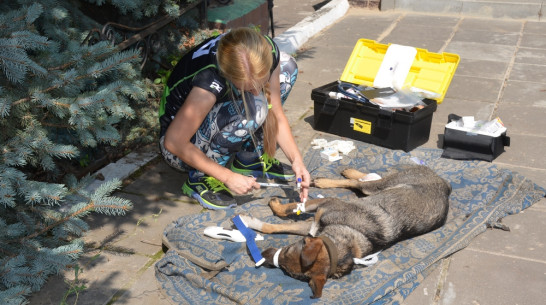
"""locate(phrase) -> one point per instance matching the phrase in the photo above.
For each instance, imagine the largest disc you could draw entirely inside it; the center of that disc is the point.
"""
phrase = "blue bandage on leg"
(250, 242)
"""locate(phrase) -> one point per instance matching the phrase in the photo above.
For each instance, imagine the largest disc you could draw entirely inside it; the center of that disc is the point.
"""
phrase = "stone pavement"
(502, 73)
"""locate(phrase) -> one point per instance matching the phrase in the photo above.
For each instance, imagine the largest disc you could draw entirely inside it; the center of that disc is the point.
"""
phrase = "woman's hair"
(245, 57)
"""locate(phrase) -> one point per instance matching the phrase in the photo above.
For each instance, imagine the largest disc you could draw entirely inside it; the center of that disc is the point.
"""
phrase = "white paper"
(395, 67)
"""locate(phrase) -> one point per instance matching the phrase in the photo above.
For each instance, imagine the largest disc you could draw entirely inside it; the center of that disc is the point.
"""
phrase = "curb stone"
(293, 38)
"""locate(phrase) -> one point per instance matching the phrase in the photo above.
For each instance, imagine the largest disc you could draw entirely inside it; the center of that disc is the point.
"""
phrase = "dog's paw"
(352, 173)
(322, 183)
(279, 209)
(274, 203)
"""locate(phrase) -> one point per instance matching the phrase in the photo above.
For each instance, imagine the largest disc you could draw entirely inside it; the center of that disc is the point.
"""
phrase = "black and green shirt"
(198, 68)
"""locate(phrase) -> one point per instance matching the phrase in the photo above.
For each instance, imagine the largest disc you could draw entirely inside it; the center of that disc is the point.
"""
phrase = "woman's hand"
(301, 172)
(241, 184)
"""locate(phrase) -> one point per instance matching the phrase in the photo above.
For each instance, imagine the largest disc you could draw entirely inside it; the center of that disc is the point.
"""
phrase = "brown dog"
(404, 204)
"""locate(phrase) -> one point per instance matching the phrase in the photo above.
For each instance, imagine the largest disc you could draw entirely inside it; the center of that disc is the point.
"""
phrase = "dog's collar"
(332, 252)
(276, 258)
(330, 247)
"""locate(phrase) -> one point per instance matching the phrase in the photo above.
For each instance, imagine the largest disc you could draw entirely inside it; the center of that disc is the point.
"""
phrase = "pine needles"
(57, 98)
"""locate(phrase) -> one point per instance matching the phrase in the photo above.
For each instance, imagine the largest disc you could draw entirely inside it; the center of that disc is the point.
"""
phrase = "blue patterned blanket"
(201, 270)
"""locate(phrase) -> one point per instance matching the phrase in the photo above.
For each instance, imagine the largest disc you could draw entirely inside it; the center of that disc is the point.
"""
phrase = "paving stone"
(525, 93)
(474, 89)
(477, 277)
(478, 35)
(532, 27)
(531, 56)
(491, 25)
(481, 68)
(534, 41)
(481, 51)
(439, 34)
(160, 181)
(438, 6)
(358, 24)
(525, 150)
(422, 42)
(429, 20)
(524, 241)
(478, 109)
(145, 291)
(516, 116)
(528, 72)
(104, 275)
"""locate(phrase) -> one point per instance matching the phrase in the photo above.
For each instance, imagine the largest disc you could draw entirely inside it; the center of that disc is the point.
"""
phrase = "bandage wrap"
(250, 243)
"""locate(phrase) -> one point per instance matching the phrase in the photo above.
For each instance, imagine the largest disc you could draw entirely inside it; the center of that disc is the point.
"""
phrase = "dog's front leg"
(283, 210)
(299, 228)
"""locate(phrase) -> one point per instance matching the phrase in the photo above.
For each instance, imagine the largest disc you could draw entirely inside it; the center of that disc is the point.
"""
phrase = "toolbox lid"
(430, 72)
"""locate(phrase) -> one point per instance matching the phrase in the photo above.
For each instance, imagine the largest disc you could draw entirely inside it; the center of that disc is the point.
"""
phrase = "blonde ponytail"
(244, 57)
(270, 127)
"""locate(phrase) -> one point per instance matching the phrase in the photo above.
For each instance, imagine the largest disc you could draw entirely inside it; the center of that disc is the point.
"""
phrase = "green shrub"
(61, 99)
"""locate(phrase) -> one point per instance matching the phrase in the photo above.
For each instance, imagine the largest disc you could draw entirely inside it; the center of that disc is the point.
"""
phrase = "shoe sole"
(186, 190)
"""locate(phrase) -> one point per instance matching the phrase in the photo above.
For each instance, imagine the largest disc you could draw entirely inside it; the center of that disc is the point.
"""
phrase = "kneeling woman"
(225, 98)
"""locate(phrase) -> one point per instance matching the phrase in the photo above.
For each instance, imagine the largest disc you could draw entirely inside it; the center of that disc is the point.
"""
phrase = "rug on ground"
(201, 270)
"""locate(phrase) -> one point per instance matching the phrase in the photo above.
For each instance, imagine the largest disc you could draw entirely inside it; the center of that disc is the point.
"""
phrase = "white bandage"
(300, 208)
(368, 260)
(276, 258)
(370, 177)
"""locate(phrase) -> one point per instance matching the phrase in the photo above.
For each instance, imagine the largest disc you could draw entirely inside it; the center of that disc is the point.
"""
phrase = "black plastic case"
(463, 145)
(369, 123)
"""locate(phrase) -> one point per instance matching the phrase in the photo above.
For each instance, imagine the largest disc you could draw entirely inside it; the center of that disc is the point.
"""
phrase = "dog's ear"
(311, 249)
(317, 283)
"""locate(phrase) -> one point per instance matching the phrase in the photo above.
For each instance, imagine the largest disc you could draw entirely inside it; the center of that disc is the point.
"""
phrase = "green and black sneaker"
(263, 167)
(210, 192)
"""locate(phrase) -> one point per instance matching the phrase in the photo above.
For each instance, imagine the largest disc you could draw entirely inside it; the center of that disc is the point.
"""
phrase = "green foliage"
(74, 288)
(143, 8)
(189, 40)
(59, 99)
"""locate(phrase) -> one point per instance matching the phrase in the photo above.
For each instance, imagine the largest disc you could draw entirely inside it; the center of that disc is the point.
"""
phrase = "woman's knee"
(171, 159)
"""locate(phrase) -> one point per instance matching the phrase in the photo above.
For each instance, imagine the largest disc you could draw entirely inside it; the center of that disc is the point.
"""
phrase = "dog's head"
(307, 259)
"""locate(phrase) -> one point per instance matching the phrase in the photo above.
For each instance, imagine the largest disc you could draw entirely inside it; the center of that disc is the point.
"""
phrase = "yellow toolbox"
(431, 72)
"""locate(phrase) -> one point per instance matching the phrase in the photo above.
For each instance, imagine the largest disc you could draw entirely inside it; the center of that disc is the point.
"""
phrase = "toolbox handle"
(384, 124)
(384, 118)
(330, 106)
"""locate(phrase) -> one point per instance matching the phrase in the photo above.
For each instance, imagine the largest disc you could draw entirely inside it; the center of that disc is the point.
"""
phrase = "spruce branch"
(60, 98)
(99, 202)
(97, 70)
(49, 227)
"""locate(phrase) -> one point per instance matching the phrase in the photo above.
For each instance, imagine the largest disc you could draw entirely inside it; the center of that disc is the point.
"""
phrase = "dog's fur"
(403, 204)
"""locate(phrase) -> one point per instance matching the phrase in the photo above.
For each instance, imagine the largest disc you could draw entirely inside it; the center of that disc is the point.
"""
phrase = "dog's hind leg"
(298, 228)
(316, 223)
(283, 210)
(324, 183)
